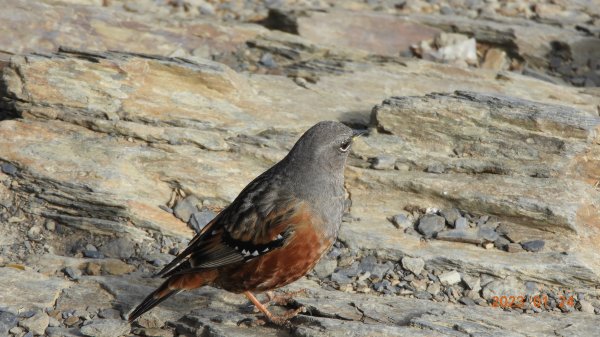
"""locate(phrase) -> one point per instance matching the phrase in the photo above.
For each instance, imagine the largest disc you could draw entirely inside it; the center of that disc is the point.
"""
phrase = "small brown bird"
(275, 231)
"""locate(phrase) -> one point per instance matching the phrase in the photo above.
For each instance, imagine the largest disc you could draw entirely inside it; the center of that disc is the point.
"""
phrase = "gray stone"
(50, 225)
(340, 278)
(383, 162)
(450, 277)
(533, 245)
(200, 219)
(72, 273)
(35, 233)
(34, 290)
(37, 323)
(467, 301)
(122, 248)
(414, 265)
(424, 295)
(7, 321)
(501, 243)
(487, 234)
(586, 306)
(451, 215)
(430, 224)
(186, 207)
(460, 235)
(325, 267)
(473, 282)
(268, 61)
(62, 332)
(53, 323)
(514, 248)
(510, 286)
(433, 288)
(105, 328)
(109, 313)
(9, 169)
(461, 223)
(402, 221)
(92, 254)
(17, 331)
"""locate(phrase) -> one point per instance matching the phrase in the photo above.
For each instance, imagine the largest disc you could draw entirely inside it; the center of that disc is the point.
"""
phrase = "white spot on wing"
(279, 237)
(255, 253)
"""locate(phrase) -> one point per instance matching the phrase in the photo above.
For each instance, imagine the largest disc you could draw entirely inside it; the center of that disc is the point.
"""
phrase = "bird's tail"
(174, 285)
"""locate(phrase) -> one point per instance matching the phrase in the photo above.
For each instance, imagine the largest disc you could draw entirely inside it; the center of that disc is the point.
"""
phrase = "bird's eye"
(346, 145)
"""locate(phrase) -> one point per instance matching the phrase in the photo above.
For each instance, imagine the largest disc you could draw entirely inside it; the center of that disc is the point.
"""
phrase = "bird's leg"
(279, 320)
(283, 298)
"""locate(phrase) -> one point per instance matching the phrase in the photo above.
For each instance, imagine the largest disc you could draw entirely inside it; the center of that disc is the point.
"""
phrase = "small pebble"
(401, 221)
(50, 225)
(200, 219)
(586, 307)
(533, 245)
(514, 248)
(450, 277)
(467, 301)
(451, 215)
(35, 233)
(461, 223)
(268, 61)
(431, 224)
(92, 254)
(9, 169)
(72, 273)
(413, 264)
(71, 320)
(501, 243)
(383, 162)
(488, 234)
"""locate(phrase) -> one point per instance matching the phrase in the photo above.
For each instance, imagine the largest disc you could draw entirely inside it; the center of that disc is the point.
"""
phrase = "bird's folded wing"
(259, 221)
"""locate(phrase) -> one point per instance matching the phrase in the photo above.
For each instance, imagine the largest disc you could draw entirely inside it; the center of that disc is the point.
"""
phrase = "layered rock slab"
(534, 166)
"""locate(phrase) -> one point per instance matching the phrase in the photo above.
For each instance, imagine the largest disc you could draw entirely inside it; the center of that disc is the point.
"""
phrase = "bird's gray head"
(324, 146)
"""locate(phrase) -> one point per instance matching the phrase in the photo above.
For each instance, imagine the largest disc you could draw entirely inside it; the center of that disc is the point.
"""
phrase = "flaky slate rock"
(33, 289)
(430, 224)
(102, 28)
(105, 328)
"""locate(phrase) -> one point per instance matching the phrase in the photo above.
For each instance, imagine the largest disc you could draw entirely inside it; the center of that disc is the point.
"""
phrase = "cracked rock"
(105, 328)
(430, 224)
(413, 264)
(449, 277)
(36, 324)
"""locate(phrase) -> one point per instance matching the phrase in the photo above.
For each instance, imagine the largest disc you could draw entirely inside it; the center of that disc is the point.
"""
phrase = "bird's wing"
(256, 223)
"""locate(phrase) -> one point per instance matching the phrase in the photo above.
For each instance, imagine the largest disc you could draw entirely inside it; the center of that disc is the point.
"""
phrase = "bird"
(275, 231)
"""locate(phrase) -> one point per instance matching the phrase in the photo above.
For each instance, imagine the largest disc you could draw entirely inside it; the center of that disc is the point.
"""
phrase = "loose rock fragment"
(533, 245)
(413, 264)
(451, 215)
(431, 224)
(401, 221)
(450, 277)
(36, 324)
(105, 328)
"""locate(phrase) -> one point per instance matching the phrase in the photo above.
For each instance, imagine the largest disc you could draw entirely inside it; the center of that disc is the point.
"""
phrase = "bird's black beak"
(358, 133)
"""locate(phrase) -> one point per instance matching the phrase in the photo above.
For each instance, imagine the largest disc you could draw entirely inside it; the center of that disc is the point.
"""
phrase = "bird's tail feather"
(174, 285)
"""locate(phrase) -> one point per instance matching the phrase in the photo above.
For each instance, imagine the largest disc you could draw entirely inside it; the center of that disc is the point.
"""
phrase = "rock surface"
(127, 126)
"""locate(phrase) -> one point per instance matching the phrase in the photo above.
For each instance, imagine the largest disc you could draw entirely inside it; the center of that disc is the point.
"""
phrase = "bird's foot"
(252, 322)
(279, 320)
(284, 297)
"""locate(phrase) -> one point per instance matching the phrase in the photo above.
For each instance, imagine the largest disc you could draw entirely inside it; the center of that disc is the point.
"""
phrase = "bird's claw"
(279, 320)
(285, 297)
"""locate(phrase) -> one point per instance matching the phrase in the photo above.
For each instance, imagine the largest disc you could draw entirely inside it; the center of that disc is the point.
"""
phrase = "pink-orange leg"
(279, 320)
